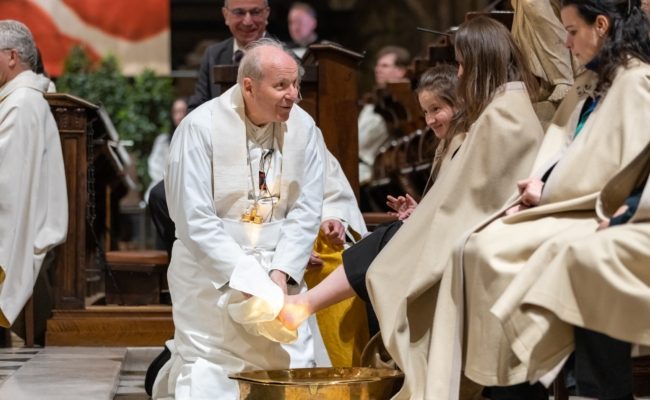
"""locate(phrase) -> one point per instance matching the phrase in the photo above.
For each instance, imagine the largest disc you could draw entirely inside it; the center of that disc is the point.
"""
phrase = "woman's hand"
(531, 193)
(605, 223)
(403, 206)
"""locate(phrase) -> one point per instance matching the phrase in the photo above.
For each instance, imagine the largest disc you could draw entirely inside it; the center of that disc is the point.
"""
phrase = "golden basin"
(319, 384)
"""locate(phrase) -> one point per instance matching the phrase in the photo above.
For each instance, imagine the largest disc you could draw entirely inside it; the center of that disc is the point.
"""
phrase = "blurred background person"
(160, 151)
(247, 21)
(391, 66)
(302, 22)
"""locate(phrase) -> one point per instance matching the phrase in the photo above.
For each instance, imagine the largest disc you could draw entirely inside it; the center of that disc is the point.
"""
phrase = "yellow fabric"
(3, 321)
(343, 326)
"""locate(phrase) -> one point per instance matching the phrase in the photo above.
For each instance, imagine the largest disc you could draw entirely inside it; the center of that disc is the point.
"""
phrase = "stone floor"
(74, 373)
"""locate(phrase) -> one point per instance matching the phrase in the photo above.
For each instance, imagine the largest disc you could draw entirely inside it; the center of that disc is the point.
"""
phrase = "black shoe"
(154, 368)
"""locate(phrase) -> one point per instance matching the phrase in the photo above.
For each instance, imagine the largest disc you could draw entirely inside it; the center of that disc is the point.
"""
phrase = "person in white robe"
(244, 186)
(373, 131)
(157, 161)
(34, 202)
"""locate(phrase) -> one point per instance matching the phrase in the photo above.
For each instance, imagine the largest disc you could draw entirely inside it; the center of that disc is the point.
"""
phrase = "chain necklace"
(252, 214)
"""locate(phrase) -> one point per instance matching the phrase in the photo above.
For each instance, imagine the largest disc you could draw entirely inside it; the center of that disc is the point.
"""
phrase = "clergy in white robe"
(245, 189)
(373, 133)
(34, 202)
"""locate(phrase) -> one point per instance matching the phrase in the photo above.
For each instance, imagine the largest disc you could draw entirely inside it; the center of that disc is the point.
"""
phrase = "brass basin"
(319, 384)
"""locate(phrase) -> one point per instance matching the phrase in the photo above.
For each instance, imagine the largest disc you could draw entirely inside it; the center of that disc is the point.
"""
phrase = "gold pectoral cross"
(251, 215)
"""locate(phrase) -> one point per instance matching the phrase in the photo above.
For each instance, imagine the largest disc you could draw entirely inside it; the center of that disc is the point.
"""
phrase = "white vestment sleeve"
(339, 201)
(188, 188)
(302, 222)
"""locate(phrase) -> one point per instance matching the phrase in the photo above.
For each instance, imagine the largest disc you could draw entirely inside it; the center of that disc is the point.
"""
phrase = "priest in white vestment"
(245, 189)
(34, 202)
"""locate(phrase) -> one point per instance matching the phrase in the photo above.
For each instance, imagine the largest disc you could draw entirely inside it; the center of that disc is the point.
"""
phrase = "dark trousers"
(603, 366)
(602, 369)
(522, 391)
(160, 216)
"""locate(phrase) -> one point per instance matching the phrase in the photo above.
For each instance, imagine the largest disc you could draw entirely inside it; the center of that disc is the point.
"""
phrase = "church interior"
(100, 310)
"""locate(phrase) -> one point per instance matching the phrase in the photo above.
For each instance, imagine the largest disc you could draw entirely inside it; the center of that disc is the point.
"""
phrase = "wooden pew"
(95, 178)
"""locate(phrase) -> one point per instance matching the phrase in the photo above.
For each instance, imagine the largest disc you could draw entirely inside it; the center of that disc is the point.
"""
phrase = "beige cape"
(611, 137)
(599, 282)
(403, 280)
(538, 31)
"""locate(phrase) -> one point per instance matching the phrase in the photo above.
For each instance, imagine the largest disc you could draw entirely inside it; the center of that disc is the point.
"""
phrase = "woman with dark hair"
(600, 127)
(501, 135)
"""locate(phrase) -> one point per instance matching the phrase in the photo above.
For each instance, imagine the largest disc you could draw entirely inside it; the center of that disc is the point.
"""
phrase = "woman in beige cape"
(596, 283)
(502, 139)
(597, 130)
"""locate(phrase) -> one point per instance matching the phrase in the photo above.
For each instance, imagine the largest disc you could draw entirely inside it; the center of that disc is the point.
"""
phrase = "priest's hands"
(403, 206)
(334, 231)
(280, 279)
(295, 311)
(531, 193)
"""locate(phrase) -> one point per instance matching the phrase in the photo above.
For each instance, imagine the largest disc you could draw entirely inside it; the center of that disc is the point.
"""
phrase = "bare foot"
(295, 311)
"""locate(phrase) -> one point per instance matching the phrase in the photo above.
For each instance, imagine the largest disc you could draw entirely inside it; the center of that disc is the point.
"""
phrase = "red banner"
(136, 32)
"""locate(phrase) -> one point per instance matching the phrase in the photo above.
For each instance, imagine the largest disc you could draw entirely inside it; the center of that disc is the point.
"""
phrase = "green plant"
(138, 107)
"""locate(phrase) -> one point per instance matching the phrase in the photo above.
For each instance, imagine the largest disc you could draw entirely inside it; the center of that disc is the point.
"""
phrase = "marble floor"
(74, 373)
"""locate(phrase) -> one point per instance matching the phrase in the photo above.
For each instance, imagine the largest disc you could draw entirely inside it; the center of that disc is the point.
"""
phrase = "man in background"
(247, 21)
(302, 27)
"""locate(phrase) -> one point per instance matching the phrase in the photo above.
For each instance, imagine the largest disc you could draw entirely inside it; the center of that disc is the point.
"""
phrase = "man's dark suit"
(217, 54)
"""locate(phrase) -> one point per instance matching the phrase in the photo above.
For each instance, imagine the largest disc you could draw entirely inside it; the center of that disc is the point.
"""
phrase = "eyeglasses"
(255, 13)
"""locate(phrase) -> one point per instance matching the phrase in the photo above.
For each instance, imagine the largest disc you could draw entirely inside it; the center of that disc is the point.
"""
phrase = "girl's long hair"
(490, 58)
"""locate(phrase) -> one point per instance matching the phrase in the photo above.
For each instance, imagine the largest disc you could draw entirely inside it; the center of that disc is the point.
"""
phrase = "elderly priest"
(245, 190)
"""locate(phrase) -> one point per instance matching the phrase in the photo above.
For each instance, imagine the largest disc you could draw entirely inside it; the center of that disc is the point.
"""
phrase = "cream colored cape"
(539, 33)
(610, 138)
(403, 281)
(33, 199)
(599, 282)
